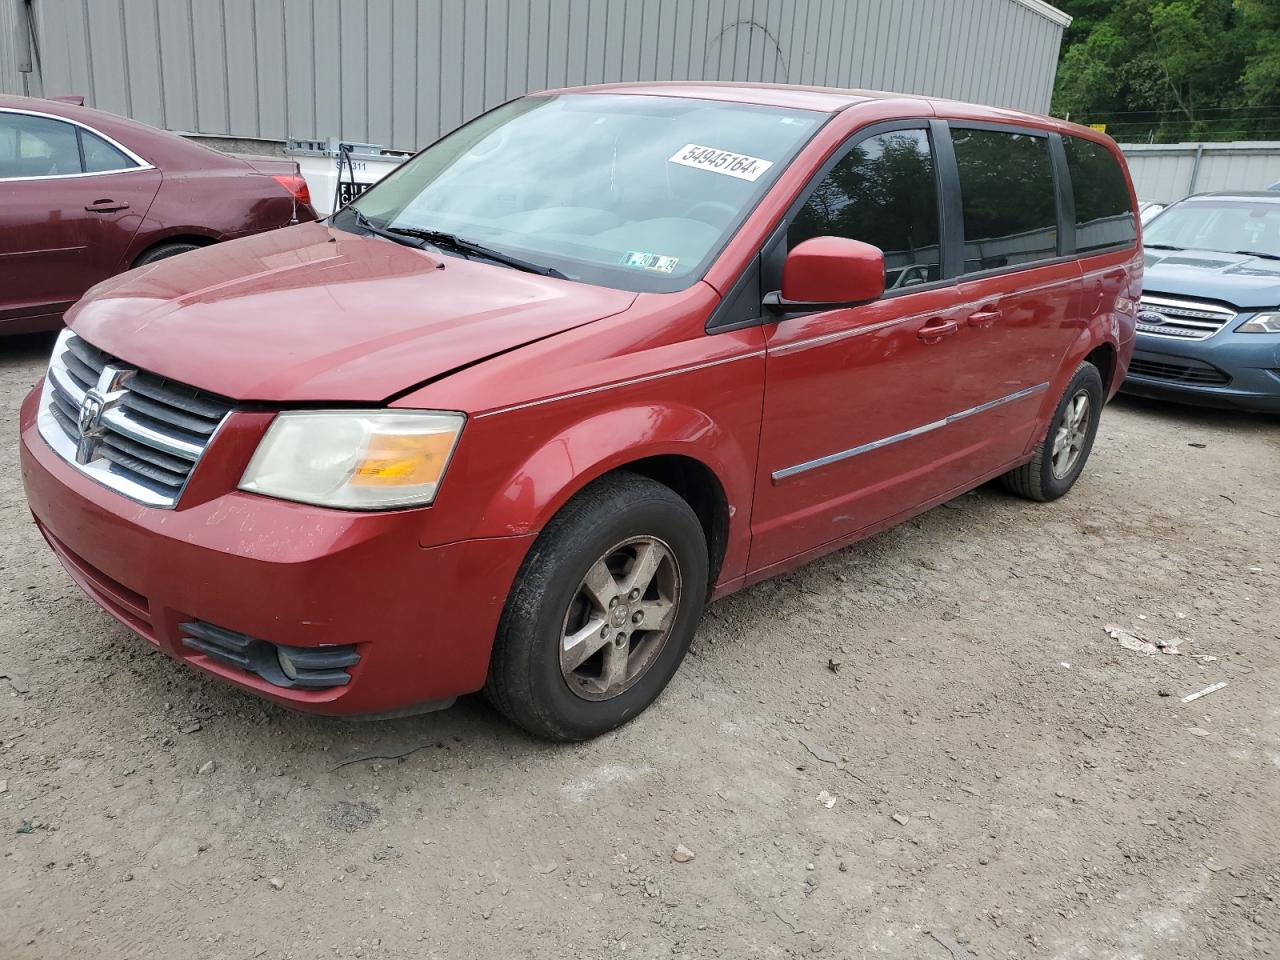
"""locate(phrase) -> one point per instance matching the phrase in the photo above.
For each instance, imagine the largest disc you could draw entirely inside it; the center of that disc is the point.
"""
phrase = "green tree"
(1172, 69)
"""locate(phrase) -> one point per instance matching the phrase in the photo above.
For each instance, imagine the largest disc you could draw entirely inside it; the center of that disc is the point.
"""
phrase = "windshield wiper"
(438, 238)
(395, 236)
(1162, 246)
(1258, 253)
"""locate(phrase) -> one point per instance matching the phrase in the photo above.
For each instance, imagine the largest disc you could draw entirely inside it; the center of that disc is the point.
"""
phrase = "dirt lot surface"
(925, 746)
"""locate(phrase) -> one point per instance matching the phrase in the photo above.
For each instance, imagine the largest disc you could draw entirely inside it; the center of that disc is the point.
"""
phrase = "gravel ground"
(925, 746)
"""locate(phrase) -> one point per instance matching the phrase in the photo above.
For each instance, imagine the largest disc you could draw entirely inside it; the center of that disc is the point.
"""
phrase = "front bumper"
(1231, 370)
(422, 619)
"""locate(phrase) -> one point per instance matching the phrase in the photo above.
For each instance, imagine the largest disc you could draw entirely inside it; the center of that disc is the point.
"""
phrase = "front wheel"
(1062, 454)
(602, 611)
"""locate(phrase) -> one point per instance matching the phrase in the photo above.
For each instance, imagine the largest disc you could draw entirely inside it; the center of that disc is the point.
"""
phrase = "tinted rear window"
(1006, 188)
(1104, 214)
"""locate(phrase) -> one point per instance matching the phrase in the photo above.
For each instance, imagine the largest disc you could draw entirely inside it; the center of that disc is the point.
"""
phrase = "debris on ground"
(1198, 731)
(17, 680)
(957, 951)
(4, 786)
(1139, 643)
(1198, 446)
(1213, 687)
(819, 751)
(208, 767)
(828, 800)
(833, 665)
(682, 854)
(901, 819)
(192, 727)
(276, 883)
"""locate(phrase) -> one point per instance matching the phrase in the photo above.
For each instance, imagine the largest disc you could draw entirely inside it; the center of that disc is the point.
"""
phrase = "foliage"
(1169, 70)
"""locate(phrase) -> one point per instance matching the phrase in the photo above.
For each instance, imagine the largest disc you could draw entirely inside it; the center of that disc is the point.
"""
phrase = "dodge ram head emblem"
(97, 402)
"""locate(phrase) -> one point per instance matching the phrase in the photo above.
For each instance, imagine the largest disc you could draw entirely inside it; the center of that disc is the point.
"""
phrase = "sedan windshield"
(1227, 226)
(634, 192)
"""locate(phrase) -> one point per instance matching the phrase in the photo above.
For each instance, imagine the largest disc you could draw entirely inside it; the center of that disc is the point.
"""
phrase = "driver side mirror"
(827, 273)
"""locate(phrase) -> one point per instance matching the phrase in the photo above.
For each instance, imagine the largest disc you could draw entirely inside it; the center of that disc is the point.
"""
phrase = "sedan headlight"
(354, 459)
(1262, 323)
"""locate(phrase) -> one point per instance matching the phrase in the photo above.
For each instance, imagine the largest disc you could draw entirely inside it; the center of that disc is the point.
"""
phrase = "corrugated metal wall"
(12, 29)
(1168, 172)
(401, 72)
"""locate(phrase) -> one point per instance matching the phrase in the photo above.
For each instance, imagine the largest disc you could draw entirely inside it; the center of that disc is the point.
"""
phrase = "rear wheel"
(602, 612)
(1062, 454)
(164, 251)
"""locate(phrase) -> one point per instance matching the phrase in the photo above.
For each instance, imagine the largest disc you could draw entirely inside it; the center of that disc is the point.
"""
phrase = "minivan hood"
(309, 313)
(1249, 283)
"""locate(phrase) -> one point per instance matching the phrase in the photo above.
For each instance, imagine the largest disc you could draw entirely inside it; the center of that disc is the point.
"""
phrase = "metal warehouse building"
(401, 72)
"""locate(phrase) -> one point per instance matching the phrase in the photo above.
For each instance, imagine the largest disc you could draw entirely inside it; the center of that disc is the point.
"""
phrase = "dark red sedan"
(85, 195)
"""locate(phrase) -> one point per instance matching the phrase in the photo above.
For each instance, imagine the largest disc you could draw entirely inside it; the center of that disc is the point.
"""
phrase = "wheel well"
(699, 487)
(197, 239)
(1104, 358)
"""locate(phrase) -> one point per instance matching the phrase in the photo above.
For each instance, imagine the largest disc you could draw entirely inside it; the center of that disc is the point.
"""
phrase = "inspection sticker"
(720, 161)
(649, 261)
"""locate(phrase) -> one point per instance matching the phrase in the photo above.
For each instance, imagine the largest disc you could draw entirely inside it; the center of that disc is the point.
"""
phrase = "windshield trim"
(637, 281)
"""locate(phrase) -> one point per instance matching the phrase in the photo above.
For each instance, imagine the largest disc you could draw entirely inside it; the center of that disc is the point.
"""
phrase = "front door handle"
(937, 328)
(106, 206)
(983, 318)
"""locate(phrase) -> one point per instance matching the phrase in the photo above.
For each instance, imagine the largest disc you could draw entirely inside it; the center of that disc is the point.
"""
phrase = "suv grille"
(1181, 319)
(130, 430)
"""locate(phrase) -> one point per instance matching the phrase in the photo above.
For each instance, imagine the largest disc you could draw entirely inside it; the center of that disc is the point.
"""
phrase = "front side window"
(37, 147)
(1104, 212)
(883, 192)
(634, 192)
(1007, 194)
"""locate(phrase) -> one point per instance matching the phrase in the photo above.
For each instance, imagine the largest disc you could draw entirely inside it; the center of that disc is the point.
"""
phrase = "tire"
(1047, 477)
(560, 592)
(163, 252)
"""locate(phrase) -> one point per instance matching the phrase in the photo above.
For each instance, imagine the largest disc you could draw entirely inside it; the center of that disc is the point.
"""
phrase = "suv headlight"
(354, 459)
(1262, 323)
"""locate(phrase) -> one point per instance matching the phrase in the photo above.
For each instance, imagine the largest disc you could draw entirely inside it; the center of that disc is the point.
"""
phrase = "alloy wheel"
(620, 618)
(1072, 435)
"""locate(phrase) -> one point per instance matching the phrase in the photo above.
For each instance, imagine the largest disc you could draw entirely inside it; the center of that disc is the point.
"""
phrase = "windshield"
(634, 192)
(1229, 226)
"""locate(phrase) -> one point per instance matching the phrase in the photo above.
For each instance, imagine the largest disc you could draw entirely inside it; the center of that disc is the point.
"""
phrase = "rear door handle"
(983, 318)
(937, 328)
(106, 206)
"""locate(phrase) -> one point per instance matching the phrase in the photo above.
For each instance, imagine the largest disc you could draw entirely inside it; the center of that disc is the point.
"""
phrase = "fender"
(1101, 330)
(606, 441)
(535, 487)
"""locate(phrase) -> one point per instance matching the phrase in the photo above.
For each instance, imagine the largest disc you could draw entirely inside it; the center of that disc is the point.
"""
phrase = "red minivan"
(512, 418)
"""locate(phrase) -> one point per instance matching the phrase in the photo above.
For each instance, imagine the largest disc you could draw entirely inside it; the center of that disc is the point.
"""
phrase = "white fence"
(1166, 172)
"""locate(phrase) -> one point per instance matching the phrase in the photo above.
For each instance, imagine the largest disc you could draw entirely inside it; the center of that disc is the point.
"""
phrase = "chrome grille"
(133, 431)
(1181, 319)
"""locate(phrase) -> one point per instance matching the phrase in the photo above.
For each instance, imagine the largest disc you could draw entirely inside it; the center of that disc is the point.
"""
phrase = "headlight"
(1262, 323)
(352, 459)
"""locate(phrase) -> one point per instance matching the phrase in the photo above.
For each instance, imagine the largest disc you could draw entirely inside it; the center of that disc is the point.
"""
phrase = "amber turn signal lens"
(393, 460)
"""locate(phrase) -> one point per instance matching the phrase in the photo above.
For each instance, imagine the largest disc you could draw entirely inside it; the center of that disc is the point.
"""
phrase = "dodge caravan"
(514, 416)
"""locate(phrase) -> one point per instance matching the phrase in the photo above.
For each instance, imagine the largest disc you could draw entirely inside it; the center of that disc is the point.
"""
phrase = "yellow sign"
(1100, 127)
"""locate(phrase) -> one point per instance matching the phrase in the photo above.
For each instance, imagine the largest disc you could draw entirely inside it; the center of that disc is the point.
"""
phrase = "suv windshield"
(1227, 226)
(634, 192)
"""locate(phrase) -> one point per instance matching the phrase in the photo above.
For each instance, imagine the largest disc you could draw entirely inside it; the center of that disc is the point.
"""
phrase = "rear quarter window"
(1104, 212)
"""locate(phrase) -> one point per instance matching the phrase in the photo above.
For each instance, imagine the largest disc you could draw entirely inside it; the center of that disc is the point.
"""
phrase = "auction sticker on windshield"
(649, 261)
(720, 161)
